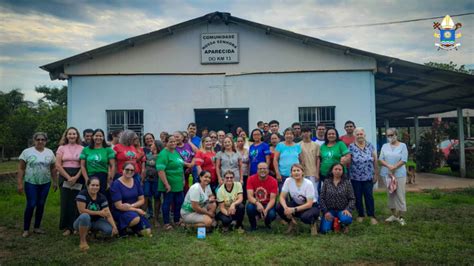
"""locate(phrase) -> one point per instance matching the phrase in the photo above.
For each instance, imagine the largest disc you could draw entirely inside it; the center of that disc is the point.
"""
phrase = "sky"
(35, 33)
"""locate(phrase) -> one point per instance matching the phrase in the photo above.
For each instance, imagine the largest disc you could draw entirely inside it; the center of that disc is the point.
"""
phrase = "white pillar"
(417, 133)
(468, 124)
(462, 155)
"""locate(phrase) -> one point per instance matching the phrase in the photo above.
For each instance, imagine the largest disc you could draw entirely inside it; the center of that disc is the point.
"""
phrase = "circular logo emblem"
(447, 34)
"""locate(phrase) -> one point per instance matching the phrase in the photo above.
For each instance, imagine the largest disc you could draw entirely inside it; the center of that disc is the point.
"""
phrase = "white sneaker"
(391, 219)
(402, 222)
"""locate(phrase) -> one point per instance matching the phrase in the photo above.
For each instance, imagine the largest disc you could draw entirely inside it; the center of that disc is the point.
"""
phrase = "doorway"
(227, 119)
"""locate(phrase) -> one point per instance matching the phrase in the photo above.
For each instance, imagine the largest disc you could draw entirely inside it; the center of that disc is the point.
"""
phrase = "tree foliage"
(19, 119)
(451, 66)
(54, 96)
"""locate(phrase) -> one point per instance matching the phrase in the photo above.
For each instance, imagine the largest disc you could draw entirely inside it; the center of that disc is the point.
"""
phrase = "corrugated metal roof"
(402, 88)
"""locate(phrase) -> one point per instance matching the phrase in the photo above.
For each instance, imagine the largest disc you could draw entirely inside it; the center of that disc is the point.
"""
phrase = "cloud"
(34, 33)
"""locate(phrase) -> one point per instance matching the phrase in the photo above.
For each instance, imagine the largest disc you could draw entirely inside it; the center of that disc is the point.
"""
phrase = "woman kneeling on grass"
(199, 207)
(301, 203)
(337, 199)
(127, 196)
(95, 213)
(230, 197)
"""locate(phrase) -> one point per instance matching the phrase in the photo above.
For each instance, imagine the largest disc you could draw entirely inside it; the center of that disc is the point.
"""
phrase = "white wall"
(168, 101)
(259, 52)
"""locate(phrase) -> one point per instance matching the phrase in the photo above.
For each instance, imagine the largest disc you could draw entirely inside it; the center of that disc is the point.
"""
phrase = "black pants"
(245, 188)
(238, 216)
(364, 189)
(308, 216)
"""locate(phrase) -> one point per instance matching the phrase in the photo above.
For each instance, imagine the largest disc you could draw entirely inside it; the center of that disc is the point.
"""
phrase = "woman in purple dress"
(127, 196)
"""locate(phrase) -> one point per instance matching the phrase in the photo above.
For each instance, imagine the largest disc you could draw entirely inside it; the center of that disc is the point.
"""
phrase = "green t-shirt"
(172, 164)
(229, 197)
(332, 155)
(97, 160)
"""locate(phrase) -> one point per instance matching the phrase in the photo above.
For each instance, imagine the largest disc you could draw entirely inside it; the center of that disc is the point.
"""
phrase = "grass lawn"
(8, 166)
(438, 231)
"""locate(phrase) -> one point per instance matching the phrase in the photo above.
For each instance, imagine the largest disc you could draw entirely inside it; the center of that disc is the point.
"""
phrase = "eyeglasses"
(129, 170)
(391, 135)
(229, 177)
(40, 139)
(262, 169)
(213, 137)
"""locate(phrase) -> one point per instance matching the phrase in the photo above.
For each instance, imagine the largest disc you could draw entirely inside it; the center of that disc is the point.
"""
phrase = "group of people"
(119, 187)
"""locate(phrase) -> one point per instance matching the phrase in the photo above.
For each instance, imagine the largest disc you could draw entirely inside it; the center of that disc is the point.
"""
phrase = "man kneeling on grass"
(95, 213)
(261, 191)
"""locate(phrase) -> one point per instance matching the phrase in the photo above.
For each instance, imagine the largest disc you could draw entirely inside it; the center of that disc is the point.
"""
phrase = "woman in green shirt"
(169, 165)
(332, 151)
(98, 160)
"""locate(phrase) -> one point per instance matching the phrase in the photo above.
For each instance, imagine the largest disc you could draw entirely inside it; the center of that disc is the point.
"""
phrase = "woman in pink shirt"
(70, 178)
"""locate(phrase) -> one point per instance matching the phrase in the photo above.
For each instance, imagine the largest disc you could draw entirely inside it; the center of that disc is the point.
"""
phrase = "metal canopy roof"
(402, 88)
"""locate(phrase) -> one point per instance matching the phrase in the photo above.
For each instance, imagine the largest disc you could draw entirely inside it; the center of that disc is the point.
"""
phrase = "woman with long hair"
(68, 164)
(98, 159)
(337, 199)
(205, 160)
(229, 160)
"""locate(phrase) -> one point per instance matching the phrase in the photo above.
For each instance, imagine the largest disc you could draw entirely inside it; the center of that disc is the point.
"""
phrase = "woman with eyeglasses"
(36, 170)
(393, 157)
(230, 198)
(127, 197)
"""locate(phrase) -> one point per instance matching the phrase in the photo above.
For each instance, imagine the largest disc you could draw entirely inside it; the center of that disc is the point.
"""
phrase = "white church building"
(222, 72)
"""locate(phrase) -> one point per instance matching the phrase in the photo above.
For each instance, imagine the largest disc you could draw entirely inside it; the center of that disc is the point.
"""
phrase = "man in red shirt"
(349, 138)
(262, 190)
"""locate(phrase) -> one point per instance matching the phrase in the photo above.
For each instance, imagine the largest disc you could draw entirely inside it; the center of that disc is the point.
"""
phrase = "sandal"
(83, 247)
(167, 227)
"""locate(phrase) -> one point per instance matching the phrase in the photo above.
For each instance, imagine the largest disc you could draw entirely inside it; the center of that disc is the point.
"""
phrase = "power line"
(385, 23)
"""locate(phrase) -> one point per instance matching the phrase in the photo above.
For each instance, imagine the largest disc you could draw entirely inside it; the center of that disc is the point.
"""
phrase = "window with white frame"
(125, 119)
(311, 116)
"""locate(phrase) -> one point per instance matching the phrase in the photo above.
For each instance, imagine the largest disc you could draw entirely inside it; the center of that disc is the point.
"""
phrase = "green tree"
(19, 119)
(451, 66)
(54, 96)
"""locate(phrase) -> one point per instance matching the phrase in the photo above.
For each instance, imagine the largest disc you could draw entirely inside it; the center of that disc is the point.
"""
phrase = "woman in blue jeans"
(35, 171)
(95, 213)
(337, 199)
